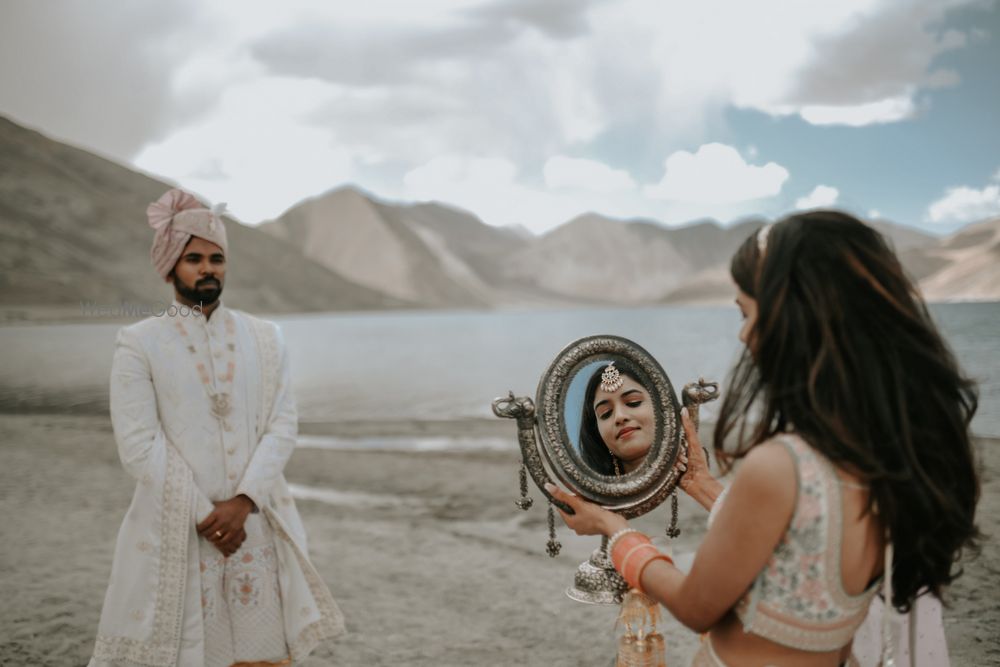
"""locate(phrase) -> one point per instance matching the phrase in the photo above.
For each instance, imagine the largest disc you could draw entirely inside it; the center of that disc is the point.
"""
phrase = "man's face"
(200, 273)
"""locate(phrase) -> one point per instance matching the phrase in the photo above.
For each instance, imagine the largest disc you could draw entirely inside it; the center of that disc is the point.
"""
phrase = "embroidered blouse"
(798, 599)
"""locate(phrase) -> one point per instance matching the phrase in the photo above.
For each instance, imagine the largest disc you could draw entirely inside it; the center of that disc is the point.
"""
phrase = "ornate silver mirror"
(609, 429)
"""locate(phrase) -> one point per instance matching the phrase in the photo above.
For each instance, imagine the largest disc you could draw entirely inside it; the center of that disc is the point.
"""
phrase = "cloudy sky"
(530, 111)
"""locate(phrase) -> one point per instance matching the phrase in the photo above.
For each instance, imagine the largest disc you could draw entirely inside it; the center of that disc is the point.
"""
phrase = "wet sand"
(426, 553)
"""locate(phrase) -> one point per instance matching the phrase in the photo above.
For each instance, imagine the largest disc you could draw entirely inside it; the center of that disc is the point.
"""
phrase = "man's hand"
(224, 526)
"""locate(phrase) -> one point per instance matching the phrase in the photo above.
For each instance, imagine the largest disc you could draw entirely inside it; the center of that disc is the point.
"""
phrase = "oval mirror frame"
(633, 493)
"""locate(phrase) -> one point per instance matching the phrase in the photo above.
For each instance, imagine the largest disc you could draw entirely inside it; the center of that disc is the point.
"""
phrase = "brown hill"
(346, 231)
(427, 253)
(603, 260)
(600, 260)
(962, 267)
(73, 228)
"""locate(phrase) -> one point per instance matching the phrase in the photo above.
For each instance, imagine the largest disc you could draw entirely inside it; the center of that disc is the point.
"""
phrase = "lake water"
(450, 365)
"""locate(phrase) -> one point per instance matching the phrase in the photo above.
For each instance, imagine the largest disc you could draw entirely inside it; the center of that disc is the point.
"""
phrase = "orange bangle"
(636, 555)
(625, 544)
(641, 567)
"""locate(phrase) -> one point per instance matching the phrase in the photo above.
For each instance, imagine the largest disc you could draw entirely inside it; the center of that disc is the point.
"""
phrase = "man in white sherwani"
(210, 566)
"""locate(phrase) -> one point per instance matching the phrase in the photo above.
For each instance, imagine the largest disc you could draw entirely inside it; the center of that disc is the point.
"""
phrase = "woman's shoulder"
(777, 454)
(768, 474)
(791, 447)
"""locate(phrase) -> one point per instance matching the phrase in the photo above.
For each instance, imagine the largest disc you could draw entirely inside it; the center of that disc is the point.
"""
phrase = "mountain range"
(73, 230)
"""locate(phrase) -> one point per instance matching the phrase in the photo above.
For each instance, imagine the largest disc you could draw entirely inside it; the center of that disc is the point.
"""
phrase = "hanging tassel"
(672, 530)
(553, 546)
(641, 645)
(525, 501)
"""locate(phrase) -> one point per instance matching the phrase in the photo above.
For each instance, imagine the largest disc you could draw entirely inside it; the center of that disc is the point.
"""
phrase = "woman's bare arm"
(737, 546)
(739, 543)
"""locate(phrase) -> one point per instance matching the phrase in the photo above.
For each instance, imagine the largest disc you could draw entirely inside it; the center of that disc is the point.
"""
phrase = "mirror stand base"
(597, 581)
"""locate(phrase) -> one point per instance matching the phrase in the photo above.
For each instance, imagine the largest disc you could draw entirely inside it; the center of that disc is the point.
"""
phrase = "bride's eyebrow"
(600, 403)
(631, 391)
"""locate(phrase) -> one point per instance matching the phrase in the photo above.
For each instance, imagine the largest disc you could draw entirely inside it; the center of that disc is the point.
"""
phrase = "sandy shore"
(426, 553)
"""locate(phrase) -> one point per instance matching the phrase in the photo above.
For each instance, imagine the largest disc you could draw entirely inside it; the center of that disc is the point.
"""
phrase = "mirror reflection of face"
(626, 422)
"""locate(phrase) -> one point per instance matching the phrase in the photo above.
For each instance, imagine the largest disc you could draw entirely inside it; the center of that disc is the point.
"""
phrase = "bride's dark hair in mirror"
(594, 451)
(845, 353)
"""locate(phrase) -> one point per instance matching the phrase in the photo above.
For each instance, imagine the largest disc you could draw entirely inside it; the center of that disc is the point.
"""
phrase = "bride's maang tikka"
(611, 379)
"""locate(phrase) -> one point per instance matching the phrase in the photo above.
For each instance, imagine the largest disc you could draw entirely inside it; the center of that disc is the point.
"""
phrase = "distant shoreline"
(486, 429)
(13, 316)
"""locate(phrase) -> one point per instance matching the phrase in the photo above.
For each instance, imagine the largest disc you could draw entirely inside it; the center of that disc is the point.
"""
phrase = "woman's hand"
(696, 480)
(696, 461)
(590, 519)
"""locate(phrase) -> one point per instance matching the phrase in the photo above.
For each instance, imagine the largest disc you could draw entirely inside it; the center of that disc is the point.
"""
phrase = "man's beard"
(205, 292)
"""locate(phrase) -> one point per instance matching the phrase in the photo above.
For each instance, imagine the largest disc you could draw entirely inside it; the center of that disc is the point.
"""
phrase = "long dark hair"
(593, 449)
(845, 353)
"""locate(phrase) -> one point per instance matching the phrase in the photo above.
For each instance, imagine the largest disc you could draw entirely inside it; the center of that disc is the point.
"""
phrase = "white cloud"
(231, 157)
(590, 175)
(442, 173)
(822, 196)
(489, 188)
(716, 174)
(493, 188)
(115, 63)
(963, 204)
(874, 214)
(374, 92)
(883, 111)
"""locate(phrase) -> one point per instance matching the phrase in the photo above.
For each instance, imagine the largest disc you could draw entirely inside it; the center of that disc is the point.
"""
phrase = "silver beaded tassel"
(525, 501)
(672, 530)
(553, 546)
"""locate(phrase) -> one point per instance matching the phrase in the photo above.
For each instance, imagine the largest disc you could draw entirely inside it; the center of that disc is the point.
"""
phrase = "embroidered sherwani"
(173, 599)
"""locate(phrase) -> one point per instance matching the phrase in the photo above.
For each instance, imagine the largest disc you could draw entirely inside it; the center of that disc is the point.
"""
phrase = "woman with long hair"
(851, 420)
(617, 423)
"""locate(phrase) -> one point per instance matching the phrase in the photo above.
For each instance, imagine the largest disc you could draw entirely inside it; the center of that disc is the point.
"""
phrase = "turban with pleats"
(176, 217)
